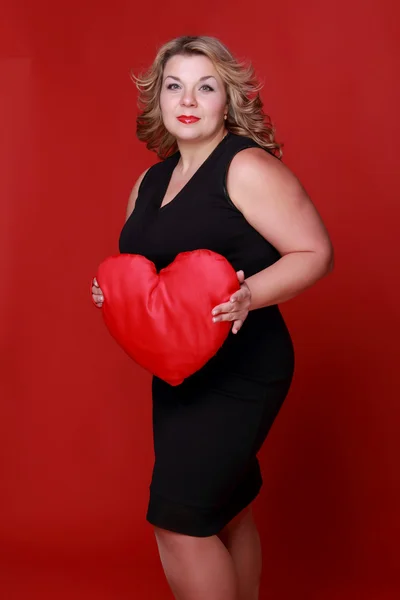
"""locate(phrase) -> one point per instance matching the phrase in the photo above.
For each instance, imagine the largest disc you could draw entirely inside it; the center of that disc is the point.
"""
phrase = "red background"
(75, 414)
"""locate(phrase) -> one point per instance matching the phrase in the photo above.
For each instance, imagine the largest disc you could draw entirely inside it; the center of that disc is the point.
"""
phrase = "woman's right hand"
(97, 294)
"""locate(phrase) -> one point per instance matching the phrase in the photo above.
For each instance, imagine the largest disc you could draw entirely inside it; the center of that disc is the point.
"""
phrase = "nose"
(188, 98)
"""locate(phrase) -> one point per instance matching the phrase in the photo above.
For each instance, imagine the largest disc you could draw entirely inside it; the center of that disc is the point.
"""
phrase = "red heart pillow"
(163, 320)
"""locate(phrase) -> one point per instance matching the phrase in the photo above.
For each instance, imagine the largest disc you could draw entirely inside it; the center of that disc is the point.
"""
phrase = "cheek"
(215, 105)
(165, 103)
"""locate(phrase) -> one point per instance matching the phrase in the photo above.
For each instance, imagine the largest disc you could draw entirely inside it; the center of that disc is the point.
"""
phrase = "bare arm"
(274, 202)
(133, 195)
(97, 294)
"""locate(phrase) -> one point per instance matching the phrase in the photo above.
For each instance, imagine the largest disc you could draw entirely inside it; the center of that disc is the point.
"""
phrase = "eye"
(170, 86)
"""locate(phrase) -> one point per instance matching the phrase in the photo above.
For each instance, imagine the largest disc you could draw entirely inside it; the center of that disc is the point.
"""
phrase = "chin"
(186, 134)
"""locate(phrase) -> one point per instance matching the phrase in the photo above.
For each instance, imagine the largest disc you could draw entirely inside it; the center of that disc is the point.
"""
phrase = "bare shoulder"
(272, 199)
(134, 193)
(256, 170)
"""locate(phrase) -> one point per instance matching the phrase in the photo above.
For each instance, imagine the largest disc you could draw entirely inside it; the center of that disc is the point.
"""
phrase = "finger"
(239, 296)
(232, 316)
(240, 276)
(95, 282)
(223, 308)
(98, 296)
(98, 303)
(237, 325)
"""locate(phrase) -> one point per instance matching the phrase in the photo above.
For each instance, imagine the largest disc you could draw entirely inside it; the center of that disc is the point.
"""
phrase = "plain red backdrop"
(75, 413)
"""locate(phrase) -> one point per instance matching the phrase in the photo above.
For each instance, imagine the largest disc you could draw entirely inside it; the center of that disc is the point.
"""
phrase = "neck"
(193, 154)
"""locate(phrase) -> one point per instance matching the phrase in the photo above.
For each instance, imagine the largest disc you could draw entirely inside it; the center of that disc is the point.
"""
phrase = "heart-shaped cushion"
(163, 320)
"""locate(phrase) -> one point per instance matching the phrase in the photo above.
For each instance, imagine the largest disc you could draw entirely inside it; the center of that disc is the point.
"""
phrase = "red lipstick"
(188, 119)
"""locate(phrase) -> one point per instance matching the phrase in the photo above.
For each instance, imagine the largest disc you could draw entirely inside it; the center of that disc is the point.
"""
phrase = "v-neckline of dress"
(174, 162)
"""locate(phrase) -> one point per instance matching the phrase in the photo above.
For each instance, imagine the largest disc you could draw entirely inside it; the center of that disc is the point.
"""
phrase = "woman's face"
(191, 87)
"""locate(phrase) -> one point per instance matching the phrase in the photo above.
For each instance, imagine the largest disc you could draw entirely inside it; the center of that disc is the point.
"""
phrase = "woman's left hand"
(237, 308)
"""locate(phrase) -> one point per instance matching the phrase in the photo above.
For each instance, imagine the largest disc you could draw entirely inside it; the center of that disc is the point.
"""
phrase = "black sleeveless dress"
(208, 430)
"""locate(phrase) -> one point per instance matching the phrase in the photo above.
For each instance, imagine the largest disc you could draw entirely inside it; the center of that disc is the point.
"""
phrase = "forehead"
(190, 67)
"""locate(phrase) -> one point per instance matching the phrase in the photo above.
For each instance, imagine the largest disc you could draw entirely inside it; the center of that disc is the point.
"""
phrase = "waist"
(262, 349)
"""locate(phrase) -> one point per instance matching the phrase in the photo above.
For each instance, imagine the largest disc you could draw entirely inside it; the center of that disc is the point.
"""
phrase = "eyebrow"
(201, 78)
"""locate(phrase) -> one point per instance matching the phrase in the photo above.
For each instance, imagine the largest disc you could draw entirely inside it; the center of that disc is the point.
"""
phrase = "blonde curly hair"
(245, 114)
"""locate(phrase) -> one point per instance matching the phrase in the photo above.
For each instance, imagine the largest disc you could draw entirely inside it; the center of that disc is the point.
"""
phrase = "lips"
(188, 119)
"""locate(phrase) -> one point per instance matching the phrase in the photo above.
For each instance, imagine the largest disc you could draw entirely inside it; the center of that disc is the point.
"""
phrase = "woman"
(219, 186)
